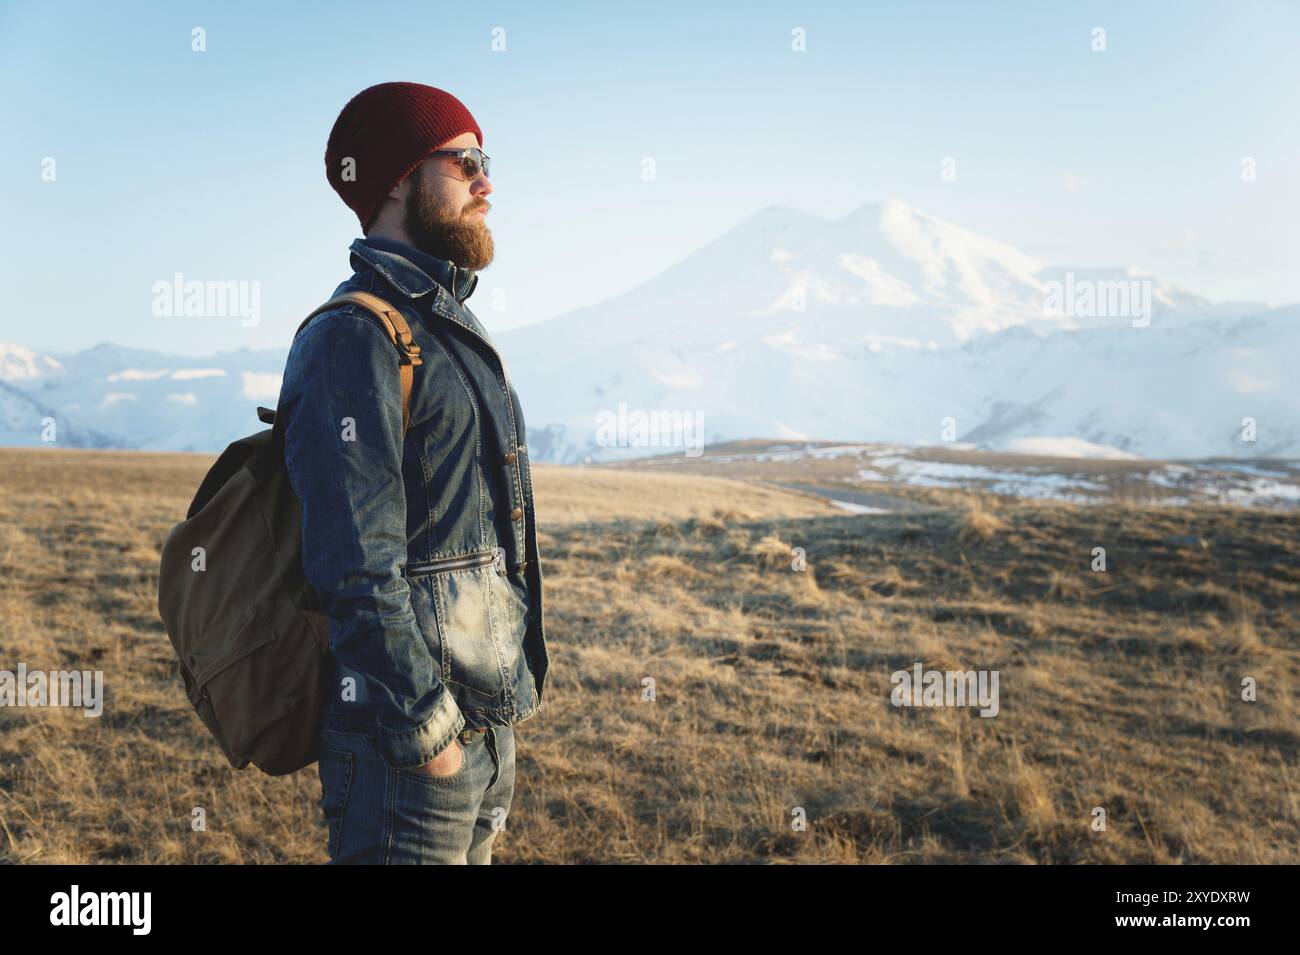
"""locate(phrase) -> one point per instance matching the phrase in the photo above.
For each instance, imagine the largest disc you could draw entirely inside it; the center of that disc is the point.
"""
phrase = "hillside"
(1120, 689)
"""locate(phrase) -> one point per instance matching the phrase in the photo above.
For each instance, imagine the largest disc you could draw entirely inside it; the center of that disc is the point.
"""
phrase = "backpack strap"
(391, 321)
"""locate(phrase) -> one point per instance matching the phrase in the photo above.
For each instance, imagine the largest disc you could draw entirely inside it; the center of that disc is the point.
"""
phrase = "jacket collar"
(412, 272)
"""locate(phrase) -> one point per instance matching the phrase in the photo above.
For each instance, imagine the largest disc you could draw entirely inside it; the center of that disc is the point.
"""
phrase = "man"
(422, 548)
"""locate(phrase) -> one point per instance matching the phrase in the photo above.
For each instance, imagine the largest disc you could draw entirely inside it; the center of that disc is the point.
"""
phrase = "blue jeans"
(378, 815)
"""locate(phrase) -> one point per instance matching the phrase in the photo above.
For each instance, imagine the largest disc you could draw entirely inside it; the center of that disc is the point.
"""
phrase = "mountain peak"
(879, 208)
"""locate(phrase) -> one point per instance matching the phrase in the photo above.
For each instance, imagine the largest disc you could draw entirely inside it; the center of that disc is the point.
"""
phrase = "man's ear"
(400, 190)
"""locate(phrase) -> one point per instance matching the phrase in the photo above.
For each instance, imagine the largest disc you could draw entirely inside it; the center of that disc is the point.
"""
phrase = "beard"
(437, 228)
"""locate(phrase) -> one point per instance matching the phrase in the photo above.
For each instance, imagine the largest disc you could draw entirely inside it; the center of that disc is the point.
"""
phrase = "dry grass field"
(1119, 690)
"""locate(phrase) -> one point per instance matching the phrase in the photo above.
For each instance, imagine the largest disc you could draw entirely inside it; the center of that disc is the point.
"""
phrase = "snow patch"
(853, 508)
(1065, 446)
(136, 374)
(21, 364)
(261, 385)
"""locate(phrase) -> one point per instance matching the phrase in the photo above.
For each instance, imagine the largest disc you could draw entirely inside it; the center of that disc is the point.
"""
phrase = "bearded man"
(418, 535)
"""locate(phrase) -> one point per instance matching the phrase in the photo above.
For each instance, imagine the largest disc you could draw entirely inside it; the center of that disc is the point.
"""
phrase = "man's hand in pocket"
(446, 763)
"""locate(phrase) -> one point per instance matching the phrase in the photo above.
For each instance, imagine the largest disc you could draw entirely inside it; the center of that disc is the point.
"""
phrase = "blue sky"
(211, 164)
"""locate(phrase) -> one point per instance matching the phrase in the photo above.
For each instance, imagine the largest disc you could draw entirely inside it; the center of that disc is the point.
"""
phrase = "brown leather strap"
(399, 333)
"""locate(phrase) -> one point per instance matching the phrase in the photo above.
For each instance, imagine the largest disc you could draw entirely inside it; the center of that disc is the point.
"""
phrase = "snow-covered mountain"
(21, 364)
(113, 397)
(884, 324)
(887, 324)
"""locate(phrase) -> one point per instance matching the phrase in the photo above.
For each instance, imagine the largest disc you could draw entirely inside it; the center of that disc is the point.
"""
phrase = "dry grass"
(591, 495)
(1119, 690)
(979, 522)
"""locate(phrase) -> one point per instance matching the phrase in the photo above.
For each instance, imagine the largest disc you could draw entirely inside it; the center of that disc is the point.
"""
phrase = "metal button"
(511, 458)
(517, 514)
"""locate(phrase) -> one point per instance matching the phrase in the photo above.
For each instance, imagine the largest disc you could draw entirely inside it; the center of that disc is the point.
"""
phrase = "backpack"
(248, 630)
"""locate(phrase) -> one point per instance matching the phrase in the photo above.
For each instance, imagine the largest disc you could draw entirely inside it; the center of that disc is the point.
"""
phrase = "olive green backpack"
(252, 641)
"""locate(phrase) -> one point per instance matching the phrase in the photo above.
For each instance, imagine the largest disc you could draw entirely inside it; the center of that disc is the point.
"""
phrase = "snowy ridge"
(885, 325)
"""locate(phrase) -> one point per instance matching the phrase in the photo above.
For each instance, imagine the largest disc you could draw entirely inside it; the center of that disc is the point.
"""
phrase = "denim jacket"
(422, 551)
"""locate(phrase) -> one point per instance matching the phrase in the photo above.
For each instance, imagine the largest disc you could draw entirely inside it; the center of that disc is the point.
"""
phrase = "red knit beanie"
(388, 130)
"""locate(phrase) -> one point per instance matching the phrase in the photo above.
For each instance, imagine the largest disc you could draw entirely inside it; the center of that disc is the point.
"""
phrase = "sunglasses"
(472, 160)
